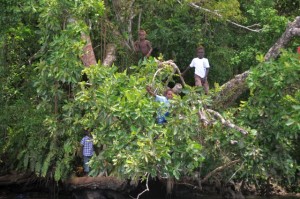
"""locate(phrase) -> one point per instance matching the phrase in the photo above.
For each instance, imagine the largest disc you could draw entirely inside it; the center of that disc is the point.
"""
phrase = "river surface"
(37, 195)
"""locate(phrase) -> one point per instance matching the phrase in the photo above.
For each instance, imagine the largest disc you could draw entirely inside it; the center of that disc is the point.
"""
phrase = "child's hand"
(148, 88)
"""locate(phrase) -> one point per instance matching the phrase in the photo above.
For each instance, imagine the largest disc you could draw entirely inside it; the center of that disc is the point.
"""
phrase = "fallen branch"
(101, 182)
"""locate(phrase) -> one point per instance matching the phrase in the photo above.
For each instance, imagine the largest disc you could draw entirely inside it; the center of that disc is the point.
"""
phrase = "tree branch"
(218, 169)
(293, 29)
(129, 28)
(231, 90)
(175, 67)
(220, 16)
(147, 187)
(110, 56)
(226, 122)
(88, 58)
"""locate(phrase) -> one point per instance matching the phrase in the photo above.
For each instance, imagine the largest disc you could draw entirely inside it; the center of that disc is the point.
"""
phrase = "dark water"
(37, 195)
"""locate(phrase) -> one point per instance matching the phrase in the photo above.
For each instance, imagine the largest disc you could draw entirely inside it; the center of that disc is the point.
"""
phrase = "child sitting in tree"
(142, 45)
(163, 111)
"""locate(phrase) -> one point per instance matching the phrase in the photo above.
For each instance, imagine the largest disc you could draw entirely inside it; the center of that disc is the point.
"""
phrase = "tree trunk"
(100, 182)
(88, 58)
(231, 90)
(16, 178)
(110, 56)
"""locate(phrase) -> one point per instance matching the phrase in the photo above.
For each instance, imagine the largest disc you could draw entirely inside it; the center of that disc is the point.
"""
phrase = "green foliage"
(34, 97)
(121, 115)
(272, 110)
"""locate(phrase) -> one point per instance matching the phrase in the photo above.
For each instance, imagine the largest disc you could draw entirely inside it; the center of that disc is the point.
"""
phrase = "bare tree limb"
(220, 16)
(203, 118)
(230, 91)
(155, 74)
(293, 29)
(88, 58)
(110, 56)
(226, 122)
(129, 28)
(207, 121)
(218, 169)
(175, 67)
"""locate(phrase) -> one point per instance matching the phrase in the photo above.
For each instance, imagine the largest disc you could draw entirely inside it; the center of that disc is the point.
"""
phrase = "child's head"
(87, 132)
(142, 34)
(169, 93)
(200, 52)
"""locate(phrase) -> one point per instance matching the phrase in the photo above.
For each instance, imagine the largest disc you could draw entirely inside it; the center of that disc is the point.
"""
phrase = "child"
(162, 114)
(88, 150)
(201, 66)
(142, 45)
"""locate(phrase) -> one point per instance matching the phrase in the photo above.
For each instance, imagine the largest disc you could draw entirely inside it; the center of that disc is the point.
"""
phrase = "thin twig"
(147, 188)
(236, 172)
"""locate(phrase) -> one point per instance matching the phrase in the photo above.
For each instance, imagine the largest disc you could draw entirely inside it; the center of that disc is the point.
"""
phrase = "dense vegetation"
(48, 97)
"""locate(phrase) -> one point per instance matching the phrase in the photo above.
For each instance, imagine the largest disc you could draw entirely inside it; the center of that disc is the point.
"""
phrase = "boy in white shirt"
(201, 66)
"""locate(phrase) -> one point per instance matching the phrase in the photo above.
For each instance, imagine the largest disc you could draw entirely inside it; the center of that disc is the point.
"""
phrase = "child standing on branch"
(163, 111)
(142, 45)
(201, 66)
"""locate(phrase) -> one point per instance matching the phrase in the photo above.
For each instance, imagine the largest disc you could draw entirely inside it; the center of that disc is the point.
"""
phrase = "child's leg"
(86, 159)
(197, 80)
(205, 86)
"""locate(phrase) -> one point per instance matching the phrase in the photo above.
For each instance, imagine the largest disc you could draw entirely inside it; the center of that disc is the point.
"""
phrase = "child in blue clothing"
(163, 111)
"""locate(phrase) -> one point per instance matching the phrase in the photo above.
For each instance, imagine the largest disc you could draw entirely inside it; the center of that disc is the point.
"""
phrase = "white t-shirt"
(200, 66)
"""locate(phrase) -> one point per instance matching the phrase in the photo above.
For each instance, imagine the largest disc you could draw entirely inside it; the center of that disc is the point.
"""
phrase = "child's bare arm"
(206, 72)
(149, 89)
(136, 46)
(187, 68)
(150, 48)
